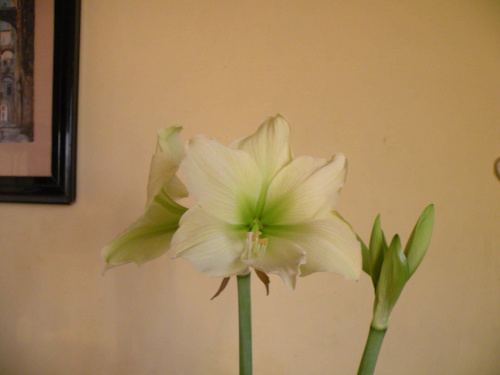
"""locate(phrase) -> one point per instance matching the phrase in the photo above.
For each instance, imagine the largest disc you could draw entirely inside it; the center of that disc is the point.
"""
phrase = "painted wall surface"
(409, 91)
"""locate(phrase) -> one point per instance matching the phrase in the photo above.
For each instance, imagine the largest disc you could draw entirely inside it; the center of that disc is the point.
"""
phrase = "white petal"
(175, 188)
(225, 182)
(162, 177)
(169, 141)
(213, 246)
(282, 257)
(148, 237)
(304, 190)
(269, 146)
(164, 165)
(330, 245)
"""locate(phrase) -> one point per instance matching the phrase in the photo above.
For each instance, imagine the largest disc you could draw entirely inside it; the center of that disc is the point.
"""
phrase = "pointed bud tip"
(429, 209)
(396, 239)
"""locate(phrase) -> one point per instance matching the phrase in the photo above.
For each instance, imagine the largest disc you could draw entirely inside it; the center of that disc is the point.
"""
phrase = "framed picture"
(39, 55)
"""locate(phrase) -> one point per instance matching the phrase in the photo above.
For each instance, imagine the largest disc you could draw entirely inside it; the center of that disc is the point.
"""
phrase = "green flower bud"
(420, 239)
(378, 248)
(390, 268)
(393, 277)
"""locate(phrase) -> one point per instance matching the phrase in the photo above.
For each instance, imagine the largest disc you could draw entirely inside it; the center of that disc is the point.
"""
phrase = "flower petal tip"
(108, 266)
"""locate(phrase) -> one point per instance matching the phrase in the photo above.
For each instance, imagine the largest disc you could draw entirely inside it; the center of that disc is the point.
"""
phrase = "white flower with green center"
(150, 236)
(259, 207)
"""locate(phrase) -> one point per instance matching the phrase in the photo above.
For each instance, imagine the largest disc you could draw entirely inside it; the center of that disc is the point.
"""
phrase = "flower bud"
(393, 277)
(420, 239)
(390, 268)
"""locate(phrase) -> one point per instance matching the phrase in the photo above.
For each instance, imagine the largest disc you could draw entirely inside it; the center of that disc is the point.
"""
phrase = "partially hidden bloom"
(258, 207)
(150, 236)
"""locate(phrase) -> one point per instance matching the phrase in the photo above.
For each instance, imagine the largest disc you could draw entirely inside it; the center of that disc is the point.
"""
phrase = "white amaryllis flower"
(259, 207)
(150, 236)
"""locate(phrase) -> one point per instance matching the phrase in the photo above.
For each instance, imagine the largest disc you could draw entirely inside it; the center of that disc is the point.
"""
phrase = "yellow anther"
(256, 236)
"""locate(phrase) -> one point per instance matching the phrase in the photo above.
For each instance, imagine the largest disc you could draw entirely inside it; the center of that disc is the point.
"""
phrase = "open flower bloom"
(259, 207)
(150, 236)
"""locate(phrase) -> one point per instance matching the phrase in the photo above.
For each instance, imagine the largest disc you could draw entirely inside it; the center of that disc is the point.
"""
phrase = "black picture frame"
(60, 186)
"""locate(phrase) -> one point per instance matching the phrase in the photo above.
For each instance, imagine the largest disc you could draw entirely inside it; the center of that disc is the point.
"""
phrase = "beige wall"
(408, 90)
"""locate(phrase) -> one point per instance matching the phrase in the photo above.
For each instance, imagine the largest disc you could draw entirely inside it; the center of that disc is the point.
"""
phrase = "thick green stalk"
(370, 354)
(245, 323)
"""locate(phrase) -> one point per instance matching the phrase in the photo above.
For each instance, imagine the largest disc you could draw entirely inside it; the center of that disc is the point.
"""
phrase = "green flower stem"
(370, 354)
(245, 321)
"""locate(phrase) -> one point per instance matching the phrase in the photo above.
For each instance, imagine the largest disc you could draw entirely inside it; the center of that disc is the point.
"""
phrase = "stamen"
(263, 246)
(255, 246)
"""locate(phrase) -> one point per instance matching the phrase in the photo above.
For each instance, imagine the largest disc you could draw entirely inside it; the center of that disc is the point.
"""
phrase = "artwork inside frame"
(39, 52)
(17, 49)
